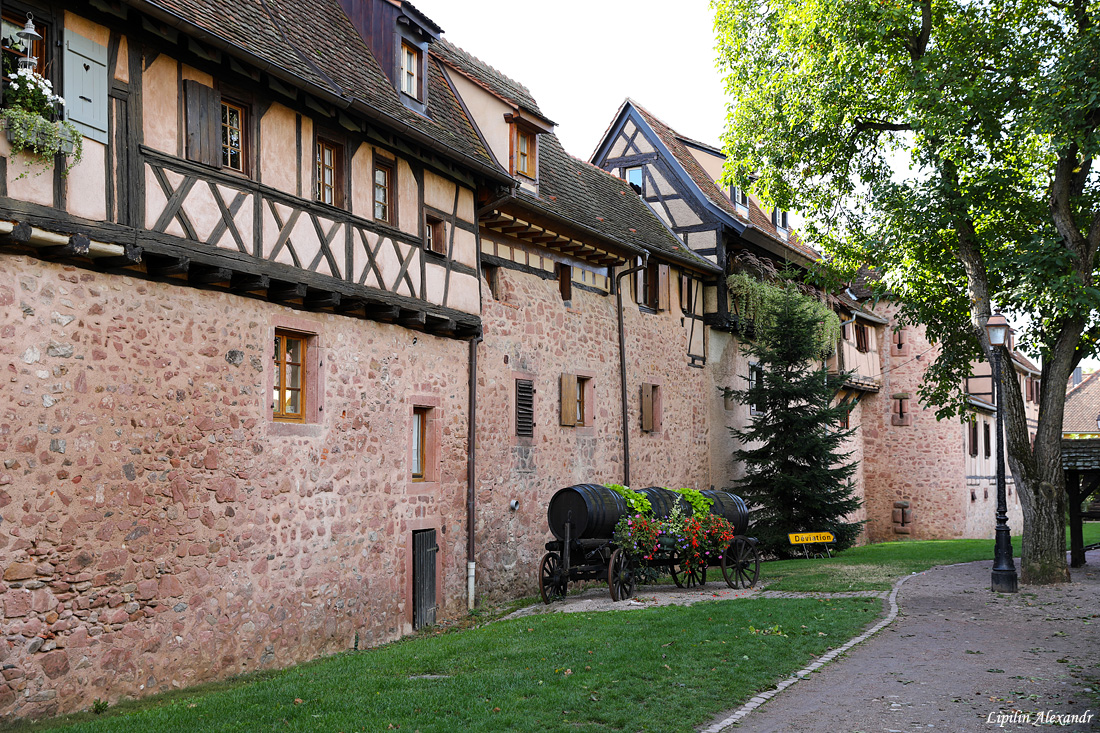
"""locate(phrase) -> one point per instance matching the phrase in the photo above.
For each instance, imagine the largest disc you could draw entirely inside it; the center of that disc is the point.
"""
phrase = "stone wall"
(923, 462)
(531, 333)
(159, 530)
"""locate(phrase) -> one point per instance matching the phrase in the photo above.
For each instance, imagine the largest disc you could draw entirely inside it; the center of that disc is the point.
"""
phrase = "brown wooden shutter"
(565, 281)
(203, 123)
(569, 399)
(647, 408)
(662, 287)
(525, 408)
(973, 437)
(685, 294)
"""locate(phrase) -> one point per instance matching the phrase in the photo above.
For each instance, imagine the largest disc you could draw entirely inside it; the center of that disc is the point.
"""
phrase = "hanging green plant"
(700, 504)
(755, 302)
(637, 502)
(30, 107)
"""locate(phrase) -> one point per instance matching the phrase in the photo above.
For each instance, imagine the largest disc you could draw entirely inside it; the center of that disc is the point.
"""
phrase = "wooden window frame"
(419, 439)
(641, 176)
(435, 235)
(417, 71)
(339, 197)
(972, 437)
(389, 167)
(863, 342)
(740, 197)
(781, 219)
(244, 114)
(39, 49)
(577, 400)
(756, 373)
(846, 418)
(279, 388)
(520, 132)
(988, 438)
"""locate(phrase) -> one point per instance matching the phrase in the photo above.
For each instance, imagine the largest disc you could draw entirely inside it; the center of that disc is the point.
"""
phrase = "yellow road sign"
(805, 538)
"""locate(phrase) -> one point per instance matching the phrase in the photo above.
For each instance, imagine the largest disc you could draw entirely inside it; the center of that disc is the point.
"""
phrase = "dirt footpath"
(959, 658)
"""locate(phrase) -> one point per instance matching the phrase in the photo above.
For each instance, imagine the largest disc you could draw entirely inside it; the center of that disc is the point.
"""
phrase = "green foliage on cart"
(700, 504)
(636, 501)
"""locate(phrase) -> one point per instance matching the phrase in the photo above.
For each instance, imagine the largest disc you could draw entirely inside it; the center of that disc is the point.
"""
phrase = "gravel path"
(957, 658)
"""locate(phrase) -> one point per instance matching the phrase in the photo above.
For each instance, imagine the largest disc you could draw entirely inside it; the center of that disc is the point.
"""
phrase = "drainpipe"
(471, 473)
(622, 360)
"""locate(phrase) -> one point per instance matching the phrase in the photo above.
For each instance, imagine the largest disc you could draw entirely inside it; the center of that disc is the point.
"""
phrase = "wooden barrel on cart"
(731, 507)
(593, 509)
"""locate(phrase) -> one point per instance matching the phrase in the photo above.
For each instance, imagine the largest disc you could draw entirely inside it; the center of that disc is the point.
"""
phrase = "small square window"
(234, 149)
(862, 342)
(634, 176)
(740, 197)
(288, 395)
(330, 173)
(383, 192)
(576, 400)
(409, 82)
(435, 235)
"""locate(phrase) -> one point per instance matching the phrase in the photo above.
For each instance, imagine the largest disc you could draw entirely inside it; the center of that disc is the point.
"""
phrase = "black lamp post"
(1004, 571)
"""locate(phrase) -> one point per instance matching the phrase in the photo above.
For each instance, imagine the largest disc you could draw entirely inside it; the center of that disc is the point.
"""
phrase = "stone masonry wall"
(531, 333)
(157, 530)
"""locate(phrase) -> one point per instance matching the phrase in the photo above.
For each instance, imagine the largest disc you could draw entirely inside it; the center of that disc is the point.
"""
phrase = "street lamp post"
(1004, 571)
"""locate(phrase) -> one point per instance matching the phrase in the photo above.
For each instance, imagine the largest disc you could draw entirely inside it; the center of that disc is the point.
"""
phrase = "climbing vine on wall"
(755, 301)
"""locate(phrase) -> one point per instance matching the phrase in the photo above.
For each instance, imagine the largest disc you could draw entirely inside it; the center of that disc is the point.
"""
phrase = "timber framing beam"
(114, 249)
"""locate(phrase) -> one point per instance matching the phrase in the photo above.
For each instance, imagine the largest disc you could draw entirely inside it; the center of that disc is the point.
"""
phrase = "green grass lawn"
(876, 567)
(658, 669)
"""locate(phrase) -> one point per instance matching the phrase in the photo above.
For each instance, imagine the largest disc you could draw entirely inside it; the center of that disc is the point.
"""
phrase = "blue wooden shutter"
(85, 84)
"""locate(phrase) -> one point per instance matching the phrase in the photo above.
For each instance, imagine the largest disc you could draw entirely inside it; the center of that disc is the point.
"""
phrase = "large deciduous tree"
(995, 107)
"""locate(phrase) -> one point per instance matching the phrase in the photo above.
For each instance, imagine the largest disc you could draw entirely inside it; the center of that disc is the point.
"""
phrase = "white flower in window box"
(31, 114)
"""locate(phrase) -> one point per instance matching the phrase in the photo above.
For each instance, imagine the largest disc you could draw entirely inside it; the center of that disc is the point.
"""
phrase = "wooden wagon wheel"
(620, 576)
(688, 578)
(552, 582)
(741, 563)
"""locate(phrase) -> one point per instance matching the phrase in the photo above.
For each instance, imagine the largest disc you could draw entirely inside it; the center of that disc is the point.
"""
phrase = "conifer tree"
(797, 479)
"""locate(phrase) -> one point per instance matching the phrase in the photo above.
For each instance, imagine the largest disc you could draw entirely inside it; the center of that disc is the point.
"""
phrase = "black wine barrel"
(593, 509)
(731, 507)
(662, 500)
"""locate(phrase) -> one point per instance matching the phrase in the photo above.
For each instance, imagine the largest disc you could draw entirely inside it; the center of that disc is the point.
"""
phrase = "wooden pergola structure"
(1081, 463)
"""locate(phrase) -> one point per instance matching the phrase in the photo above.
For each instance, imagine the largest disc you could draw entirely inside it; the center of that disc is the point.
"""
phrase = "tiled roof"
(756, 218)
(334, 57)
(485, 75)
(1083, 406)
(1025, 362)
(575, 191)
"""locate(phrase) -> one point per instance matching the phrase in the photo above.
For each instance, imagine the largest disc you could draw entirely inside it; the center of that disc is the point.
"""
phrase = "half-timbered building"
(236, 339)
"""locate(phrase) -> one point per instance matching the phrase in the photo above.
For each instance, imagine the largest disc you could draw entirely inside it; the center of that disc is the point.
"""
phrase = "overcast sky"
(582, 58)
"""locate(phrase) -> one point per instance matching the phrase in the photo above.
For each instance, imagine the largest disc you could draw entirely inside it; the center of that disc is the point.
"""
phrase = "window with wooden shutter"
(973, 437)
(565, 282)
(203, 103)
(569, 400)
(662, 288)
(85, 76)
(651, 405)
(988, 441)
(525, 408)
(861, 337)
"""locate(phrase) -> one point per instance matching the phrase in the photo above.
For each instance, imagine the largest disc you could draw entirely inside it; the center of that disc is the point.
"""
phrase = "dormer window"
(634, 177)
(525, 153)
(740, 197)
(409, 79)
(779, 219)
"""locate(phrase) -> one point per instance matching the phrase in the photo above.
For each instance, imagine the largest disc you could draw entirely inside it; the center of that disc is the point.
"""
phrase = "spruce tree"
(797, 479)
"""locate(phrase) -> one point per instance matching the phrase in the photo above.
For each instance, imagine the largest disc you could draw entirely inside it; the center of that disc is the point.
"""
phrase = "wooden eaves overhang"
(528, 226)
